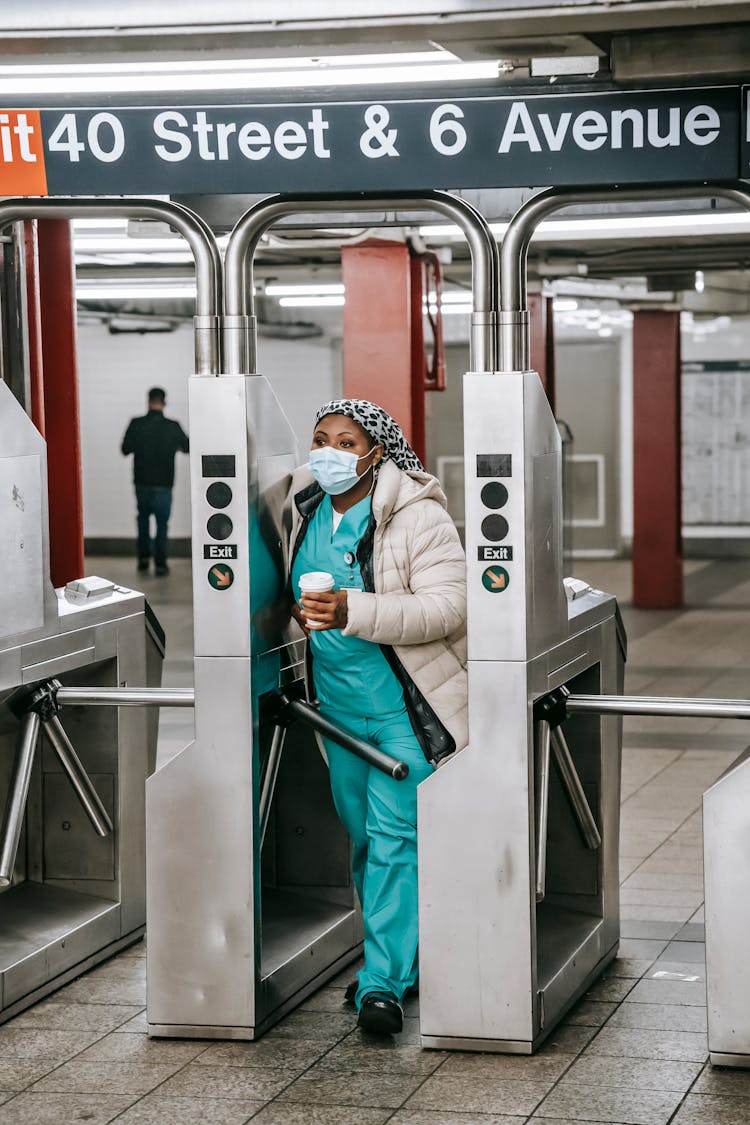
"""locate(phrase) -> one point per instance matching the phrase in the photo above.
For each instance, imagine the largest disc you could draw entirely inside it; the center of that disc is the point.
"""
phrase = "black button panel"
(494, 528)
(494, 494)
(219, 494)
(219, 527)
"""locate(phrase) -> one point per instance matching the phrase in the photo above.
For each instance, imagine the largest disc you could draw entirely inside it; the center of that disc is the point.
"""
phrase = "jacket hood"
(395, 489)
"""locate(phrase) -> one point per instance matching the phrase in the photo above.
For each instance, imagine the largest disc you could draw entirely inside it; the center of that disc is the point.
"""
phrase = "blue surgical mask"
(335, 470)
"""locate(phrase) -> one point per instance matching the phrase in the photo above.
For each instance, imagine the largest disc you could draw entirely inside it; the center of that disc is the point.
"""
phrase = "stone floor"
(633, 1051)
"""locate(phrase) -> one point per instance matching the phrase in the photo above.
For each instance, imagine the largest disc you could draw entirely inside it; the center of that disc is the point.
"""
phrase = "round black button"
(494, 494)
(220, 527)
(494, 528)
(219, 494)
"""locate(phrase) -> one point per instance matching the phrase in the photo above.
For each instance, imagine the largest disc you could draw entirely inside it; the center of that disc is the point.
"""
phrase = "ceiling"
(632, 41)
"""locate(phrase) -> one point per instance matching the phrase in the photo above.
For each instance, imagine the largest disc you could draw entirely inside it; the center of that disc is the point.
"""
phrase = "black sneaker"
(380, 1014)
(162, 571)
(143, 565)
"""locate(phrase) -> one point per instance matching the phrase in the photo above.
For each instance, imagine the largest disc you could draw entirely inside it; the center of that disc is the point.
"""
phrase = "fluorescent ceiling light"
(625, 226)
(196, 66)
(275, 290)
(98, 291)
(254, 74)
(312, 301)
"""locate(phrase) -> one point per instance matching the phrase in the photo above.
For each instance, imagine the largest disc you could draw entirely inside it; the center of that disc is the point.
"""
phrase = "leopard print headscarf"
(379, 425)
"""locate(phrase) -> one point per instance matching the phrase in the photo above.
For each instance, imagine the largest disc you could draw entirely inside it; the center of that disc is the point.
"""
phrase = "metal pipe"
(126, 697)
(514, 333)
(196, 232)
(269, 778)
(574, 790)
(658, 705)
(239, 338)
(370, 754)
(77, 776)
(18, 790)
(542, 742)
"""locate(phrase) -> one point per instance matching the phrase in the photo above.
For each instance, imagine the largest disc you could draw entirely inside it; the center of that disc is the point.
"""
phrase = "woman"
(388, 647)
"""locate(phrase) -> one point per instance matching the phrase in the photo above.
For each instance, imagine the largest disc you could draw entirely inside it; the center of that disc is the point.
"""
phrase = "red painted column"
(377, 330)
(657, 483)
(541, 331)
(62, 424)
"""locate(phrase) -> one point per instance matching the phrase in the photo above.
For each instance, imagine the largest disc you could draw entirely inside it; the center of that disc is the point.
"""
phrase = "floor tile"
(669, 992)
(590, 1013)
(470, 1094)
(638, 1074)
(6, 1094)
(134, 1047)
(17, 1074)
(685, 951)
(326, 1000)
(567, 1039)
(679, 1046)
(708, 1109)
(632, 968)
(612, 989)
(377, 1090)
(687, 971)
(724, 1080)
(313, 1025)
(89, 990)
(255, 1083)
(631, 928)
(660, 1017)
(62, 1109)
(103, 1078)
(137, 1023)
(355, 1056)
(156, 1109)
(595, 1103)
(428, 1117)
(59, 1015)
(644, 948)
(290, 1054)
(524, 1067)
(278, 1114)
(31, 1043)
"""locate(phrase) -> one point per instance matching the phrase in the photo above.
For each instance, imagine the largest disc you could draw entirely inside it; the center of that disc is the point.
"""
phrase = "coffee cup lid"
(316, 580)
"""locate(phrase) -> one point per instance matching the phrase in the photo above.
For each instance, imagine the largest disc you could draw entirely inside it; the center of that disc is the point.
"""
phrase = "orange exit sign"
(22, 170)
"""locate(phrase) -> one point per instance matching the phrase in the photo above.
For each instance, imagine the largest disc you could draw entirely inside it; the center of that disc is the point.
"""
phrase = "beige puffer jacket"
(419, 604)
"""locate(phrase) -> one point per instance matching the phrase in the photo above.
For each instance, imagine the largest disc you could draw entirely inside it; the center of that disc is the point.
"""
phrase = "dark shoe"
(351, 991)
(143, 565)
(380, 1014)
(162, 570)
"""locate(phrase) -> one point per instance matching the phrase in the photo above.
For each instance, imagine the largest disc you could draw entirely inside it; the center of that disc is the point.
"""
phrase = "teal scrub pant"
(380, 815)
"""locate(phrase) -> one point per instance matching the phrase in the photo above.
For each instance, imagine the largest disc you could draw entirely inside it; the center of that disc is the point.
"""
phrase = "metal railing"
(240, 351)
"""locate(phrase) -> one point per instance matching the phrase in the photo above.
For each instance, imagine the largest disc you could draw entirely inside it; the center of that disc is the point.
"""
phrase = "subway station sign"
(404, 143)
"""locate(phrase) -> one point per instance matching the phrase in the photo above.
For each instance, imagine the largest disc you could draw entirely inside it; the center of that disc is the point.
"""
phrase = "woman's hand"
(299, 617)
(328, 610)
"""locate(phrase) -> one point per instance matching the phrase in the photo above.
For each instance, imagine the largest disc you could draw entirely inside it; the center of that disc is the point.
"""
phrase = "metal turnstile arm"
(77, 776)
(542, 805)
(269, 777)
(574, 791)
(18, 790)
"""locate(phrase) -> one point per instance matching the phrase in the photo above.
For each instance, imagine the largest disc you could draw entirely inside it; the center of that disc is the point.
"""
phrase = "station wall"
(115, 373)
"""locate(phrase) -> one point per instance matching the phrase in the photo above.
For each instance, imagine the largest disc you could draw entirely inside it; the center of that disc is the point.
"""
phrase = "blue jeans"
(156, 501)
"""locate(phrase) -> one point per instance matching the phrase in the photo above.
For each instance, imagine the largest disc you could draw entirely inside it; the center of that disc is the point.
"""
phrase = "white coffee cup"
(316, 582)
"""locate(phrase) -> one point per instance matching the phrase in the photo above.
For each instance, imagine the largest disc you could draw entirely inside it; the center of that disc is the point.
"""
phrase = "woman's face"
(340, 432)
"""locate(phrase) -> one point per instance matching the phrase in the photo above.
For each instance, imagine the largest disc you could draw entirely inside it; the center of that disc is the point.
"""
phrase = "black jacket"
(154, 440)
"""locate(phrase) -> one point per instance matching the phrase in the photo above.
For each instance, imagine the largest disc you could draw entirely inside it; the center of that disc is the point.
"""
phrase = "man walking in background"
(154, 440)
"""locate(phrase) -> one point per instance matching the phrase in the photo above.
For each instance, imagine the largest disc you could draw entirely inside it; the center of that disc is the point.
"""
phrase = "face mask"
(335, 470)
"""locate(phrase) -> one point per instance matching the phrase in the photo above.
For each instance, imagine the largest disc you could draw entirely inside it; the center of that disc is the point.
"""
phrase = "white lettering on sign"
(592, 129)
(253, 140)
(23, 131)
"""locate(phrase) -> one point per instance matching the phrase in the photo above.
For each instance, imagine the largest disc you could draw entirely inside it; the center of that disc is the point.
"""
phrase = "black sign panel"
(219, 551)
(495, 554)
(403, 143)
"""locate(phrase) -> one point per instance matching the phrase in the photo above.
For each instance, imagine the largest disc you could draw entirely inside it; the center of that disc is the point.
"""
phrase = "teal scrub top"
(350, 673)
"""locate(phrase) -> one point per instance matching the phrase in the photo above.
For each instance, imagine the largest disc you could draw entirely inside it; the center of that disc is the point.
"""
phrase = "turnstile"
(72, 833)
(516, 921)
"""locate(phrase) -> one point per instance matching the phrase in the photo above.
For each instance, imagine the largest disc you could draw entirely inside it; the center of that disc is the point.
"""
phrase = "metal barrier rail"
(658, 705)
